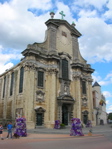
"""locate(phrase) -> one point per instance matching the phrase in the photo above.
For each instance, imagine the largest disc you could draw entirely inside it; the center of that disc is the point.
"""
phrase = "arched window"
(12, 83)
(64, 69)
(21, 80)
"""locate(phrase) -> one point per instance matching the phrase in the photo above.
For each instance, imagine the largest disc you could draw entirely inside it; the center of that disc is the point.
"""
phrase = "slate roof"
(96, 84)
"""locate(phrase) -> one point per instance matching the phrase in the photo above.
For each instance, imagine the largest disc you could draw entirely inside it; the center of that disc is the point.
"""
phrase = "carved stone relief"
(84, 102)
(40, 96)
(65, 87)
(30, 65)
(52, 70)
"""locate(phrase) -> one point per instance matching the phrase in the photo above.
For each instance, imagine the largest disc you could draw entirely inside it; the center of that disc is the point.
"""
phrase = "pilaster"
(52, 95)
(29, 93)
(90, 102)
(78, 97)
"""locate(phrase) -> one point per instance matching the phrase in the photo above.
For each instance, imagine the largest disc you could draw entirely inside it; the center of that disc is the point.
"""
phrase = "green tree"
(110, 116)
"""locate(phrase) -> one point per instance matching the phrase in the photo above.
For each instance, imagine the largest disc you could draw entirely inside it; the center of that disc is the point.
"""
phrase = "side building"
(99, 105)
(52, 82)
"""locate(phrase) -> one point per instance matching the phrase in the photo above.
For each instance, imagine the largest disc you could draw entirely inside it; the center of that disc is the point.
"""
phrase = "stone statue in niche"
(40, 96)
(84, 102)
(66, 89)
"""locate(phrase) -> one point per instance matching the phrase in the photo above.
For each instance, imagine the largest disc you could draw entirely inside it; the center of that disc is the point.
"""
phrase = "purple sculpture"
(89, 124)
(76, 128)
(21, 127)
(57, 124)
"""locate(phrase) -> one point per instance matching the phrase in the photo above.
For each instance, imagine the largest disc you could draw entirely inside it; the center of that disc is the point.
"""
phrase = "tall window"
(4, 86)
(21, 80)
(64, 69)
(12, 83)
(40, 81)
(83, 87)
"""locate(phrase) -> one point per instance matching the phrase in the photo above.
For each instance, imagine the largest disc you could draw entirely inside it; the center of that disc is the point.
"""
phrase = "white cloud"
(86, 3)
(109, 76)
(102, 83)
(68, 15)
(3, 68)
(107, 101)
(88, 13)
(18, 26)
(107, 94)
(6, 57)
(109, 108)
(95, 40)
(96, 77)
(109, 4)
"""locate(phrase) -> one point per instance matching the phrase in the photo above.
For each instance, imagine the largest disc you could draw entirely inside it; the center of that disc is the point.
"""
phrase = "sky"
(22, 22)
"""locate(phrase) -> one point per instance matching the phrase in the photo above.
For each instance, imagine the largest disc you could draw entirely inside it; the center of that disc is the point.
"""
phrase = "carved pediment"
(85, 112)
(39, 109)
(66, 98)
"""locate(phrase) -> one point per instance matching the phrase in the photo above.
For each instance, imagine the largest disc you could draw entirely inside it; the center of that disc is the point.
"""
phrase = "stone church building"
(52, 82)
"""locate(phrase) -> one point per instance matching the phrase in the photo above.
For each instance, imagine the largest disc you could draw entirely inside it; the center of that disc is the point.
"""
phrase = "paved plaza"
(43, 138)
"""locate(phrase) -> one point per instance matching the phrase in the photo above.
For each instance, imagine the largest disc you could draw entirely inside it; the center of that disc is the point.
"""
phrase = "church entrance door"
(65, 114)
(39, 119)
(85, 119)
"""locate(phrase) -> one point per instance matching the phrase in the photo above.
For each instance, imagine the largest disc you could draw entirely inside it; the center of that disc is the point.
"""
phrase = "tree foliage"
(110, 116)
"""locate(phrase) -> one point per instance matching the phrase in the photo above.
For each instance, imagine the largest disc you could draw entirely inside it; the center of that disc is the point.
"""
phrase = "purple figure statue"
(76, 128)
(57, 124)
(21, 127)
(89, 124)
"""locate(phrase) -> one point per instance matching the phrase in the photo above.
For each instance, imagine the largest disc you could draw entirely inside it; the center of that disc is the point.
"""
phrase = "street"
(100, 139)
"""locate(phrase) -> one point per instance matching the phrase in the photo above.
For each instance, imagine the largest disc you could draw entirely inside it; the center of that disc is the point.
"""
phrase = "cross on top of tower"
(62, 14)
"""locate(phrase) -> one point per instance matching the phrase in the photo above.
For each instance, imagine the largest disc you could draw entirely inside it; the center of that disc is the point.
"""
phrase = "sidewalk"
(95, 130)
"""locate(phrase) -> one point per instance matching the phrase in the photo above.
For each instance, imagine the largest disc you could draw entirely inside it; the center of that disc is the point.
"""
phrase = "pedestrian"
(1, 131)
(9, 129)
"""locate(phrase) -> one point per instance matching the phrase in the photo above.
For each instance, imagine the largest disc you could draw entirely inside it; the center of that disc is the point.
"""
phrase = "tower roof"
(96, 84)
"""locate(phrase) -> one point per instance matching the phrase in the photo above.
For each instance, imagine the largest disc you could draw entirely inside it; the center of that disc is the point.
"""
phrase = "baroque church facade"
(52, 82)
